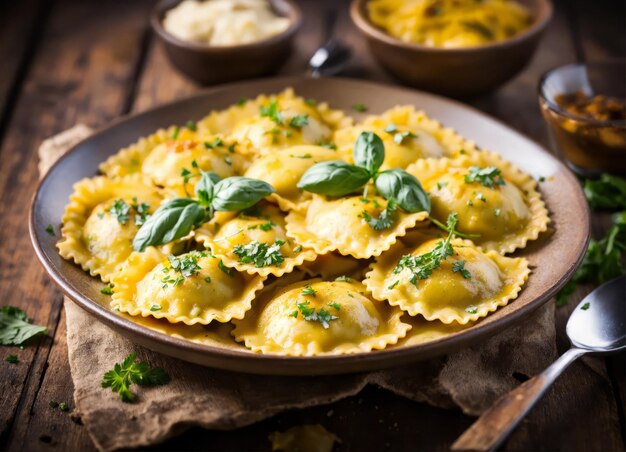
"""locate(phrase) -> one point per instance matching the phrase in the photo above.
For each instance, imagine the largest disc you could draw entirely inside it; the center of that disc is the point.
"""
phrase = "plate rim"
(222, 357)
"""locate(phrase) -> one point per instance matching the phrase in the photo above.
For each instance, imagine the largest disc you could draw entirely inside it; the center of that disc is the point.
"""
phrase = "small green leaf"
(171, 221)
(50, 229)
(333, 178)
(107, 290)
(360, 107)
(239, 193)
(15, 328)
(404, 189)
(369, 152)
(205, 187)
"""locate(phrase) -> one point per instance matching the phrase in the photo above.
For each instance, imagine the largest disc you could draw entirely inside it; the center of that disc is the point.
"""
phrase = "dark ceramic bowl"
(217, 64)
(457, 72)
(553, 258)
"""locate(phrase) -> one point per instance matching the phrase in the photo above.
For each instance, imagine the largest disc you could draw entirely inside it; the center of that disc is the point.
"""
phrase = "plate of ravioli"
(299, 226)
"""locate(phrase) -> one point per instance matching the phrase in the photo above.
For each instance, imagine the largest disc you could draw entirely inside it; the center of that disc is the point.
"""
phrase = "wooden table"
(73, 61)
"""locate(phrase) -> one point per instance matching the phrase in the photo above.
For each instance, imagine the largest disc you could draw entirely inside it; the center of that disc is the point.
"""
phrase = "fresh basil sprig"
(178, 217)
(334, 178)
(337, 178)
(404, 189)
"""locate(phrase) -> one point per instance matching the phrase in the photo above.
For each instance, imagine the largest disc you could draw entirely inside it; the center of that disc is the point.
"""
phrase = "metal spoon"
(597, 325)
(333, 55)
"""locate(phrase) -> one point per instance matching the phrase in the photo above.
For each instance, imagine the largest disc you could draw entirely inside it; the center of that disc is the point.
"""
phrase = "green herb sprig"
(15, 327)
(120, 378)
(422, 266)
(338, 178)
(260, 254)
(323, 316)
(178, 217)
(487, 177)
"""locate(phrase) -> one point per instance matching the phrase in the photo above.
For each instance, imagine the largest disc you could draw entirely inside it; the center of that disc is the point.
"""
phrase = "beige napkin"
(470, 379)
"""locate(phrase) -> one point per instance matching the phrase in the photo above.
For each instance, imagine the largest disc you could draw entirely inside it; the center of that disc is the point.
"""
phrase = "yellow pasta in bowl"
(314, 317)
(191, 288)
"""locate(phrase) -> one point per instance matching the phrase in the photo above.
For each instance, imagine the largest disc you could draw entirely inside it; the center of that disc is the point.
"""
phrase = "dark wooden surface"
(70, 61)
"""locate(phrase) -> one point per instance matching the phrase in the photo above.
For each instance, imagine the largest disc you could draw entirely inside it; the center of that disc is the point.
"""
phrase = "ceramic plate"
(553, 258)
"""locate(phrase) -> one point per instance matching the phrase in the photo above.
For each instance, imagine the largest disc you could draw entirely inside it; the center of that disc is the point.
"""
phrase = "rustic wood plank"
(82, 73)
(18, 41)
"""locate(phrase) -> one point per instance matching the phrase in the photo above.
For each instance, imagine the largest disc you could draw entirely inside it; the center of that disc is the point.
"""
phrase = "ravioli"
(505, 215)
(283, 170)
(254, 241)
(101, 220)
(465, 287)
(315, 317)
(286, 127)
(167, 161)
(193, 288)
(128, 160)
(340, 224)
(408, 136)
(333, 265)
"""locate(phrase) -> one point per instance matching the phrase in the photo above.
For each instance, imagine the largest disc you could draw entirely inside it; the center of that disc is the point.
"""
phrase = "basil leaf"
(404, 189)
(369, 152)
(204, 188)
(171, 221)
(238, 193)
(333, 178)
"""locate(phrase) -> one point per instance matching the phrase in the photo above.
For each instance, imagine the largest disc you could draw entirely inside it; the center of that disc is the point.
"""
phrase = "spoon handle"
(495, 424)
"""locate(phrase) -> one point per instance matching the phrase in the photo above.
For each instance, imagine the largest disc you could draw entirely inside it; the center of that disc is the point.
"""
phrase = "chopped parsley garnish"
(218, 142)
(142, 211)
(299, 121)
(309, 314)
(15, 328)
(400, 136)
(343, 278)
(542, 179)
(585, 306)
(224, 268)
(335, 305)
(487, 177)
(308, 291)
(107, 290)
(391, 128)
(422, 266)
(64, 406)
(131, 371)
(271, 111)
(155, 307)
(175, 132)
(228, 160)
(470, 203)
(191, 126)
(242, 101)
(260, 254)
(303, 156)
(120, 211)
(267, 226)
(480, 197)
(185, 266)
(440, 185)
(50, 229)
(231, 148)
(384, 220)
(13, 359)
(332, 146)
(471, 309)
(52, 404)
(207, 279)
(459, 267)
(360, 107)
(310, 102)
(391, 286)
(297, 249)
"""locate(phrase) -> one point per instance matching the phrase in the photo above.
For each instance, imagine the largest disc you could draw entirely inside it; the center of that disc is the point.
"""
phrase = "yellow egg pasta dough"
(314, 317)
(495, 201)
(193, 288)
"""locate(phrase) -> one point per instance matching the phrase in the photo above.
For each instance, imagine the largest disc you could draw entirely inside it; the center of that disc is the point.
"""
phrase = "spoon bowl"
(598, 323)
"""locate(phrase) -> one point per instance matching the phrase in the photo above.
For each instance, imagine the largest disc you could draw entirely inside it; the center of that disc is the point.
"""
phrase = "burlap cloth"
(470, 379)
